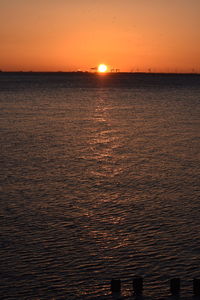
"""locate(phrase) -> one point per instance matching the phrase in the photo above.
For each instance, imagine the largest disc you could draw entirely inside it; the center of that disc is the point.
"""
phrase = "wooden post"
(116, 286)
(196, 287)
(175, 286)
(138, 285)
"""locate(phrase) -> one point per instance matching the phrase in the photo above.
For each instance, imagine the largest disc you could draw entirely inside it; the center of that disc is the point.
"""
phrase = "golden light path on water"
(105, 138)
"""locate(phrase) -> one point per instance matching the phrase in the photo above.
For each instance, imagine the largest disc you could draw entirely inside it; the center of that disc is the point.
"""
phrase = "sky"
(71, 35)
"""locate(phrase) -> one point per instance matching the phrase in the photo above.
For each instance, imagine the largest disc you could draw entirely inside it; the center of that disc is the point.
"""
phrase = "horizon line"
(88, 72)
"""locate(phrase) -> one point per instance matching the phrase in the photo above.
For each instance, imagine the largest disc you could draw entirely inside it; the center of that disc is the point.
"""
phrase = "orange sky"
(132, 35)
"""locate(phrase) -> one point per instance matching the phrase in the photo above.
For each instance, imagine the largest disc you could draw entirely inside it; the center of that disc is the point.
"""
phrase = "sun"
(102, 68)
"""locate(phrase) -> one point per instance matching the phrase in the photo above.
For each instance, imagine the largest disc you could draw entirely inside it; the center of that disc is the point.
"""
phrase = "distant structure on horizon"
(114, 70)
(94, 69)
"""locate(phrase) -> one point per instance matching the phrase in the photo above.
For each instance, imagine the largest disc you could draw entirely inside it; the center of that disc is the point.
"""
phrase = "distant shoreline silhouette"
(97, 73)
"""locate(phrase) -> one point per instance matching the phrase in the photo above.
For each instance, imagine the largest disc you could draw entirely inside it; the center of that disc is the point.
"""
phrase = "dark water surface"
(99, 178)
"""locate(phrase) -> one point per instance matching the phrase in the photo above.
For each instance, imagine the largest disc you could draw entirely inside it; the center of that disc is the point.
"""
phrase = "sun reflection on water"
(105, 140)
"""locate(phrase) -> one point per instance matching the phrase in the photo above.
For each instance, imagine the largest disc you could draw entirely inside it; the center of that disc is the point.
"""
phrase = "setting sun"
(102, 68)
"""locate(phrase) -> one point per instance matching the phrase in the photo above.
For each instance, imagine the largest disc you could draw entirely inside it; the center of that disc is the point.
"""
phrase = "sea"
(100, 179)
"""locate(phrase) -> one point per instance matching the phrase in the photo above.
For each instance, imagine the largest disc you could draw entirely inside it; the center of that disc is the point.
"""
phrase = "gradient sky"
(132, 35)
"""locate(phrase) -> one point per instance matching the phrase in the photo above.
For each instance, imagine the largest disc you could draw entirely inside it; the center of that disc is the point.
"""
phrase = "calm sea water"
(99, 179)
